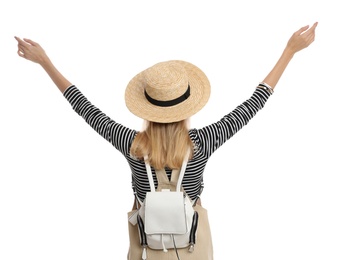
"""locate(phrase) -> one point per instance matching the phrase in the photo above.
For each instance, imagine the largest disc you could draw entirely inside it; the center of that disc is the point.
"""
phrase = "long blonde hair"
(165, 144)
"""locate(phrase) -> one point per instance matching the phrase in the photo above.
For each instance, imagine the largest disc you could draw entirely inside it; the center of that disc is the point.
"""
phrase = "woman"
(165, 96)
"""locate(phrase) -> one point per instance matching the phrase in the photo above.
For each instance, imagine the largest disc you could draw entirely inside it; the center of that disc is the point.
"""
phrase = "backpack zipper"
(193, 231)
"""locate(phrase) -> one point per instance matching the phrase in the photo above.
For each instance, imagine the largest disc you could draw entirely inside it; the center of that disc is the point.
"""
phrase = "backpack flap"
(163, 207)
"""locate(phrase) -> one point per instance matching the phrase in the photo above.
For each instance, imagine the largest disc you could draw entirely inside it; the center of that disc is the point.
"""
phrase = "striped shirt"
(206, 140)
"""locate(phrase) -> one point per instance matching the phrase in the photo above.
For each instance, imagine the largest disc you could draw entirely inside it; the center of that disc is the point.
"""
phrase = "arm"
(32, 51)
(298, 41)
(213, 136)
(118, 135)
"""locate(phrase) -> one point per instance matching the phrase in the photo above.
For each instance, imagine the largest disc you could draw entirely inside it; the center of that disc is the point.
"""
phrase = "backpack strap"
(182, 171)
(162, 177)
(149, 173)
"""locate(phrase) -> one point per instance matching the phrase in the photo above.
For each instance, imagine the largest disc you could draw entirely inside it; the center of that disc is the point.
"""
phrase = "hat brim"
(199, 94)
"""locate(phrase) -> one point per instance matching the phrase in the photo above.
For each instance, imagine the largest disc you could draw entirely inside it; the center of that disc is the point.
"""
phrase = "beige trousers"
(203, 248)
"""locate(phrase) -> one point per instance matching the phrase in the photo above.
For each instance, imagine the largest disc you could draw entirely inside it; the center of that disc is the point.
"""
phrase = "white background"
(270, 191)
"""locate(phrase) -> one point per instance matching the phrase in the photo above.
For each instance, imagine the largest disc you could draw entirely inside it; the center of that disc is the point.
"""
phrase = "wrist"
(44, 61)
(288, 53)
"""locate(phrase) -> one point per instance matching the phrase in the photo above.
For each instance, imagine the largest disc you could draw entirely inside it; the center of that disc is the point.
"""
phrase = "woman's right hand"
(31, 50)
(301, 39)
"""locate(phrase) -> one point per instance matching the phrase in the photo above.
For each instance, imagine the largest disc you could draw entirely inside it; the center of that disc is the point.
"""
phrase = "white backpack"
(166, 218)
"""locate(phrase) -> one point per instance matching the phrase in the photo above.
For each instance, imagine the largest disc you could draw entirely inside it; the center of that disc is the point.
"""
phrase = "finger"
(19, 40)
(21, 53)
(301, 30)
(309, 39)
(21, 43)
(312, 38)
(30, 41)
(311, 32)
(313, 27)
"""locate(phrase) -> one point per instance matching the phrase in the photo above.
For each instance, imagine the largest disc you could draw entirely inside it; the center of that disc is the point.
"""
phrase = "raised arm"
(298, 41)
(213, 136)
(32, 51)
(118, 135)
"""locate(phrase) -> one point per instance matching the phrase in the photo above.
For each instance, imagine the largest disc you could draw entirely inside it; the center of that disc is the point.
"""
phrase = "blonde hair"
(165, 144)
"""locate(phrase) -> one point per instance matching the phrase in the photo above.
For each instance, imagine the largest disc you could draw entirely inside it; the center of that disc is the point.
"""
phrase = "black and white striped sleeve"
(118, 135)
(213, 136)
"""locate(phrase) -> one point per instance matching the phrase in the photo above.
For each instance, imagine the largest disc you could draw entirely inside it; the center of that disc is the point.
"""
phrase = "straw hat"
(169, 91)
